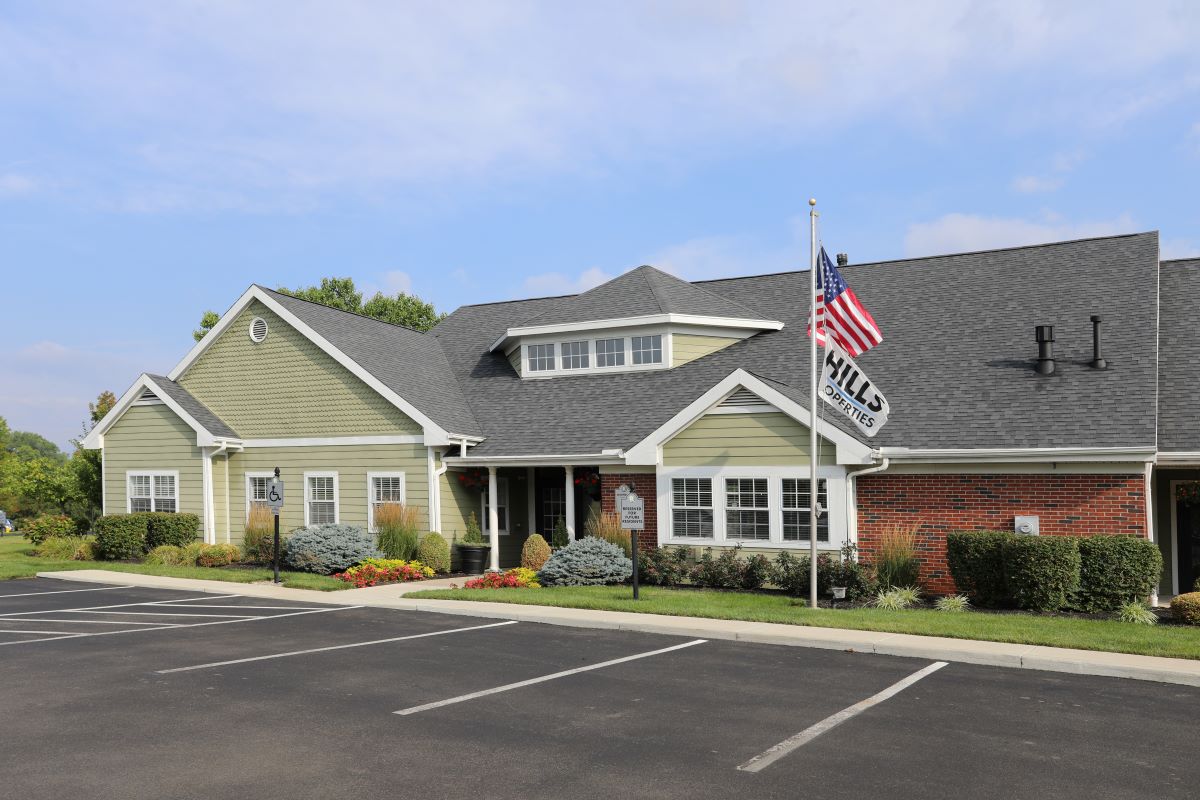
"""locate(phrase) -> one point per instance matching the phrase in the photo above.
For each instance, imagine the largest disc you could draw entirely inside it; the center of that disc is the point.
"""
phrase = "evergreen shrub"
(326, 549)
(586, 562)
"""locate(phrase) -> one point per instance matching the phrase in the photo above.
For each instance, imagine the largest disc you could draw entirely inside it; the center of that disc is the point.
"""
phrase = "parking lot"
(124, 692)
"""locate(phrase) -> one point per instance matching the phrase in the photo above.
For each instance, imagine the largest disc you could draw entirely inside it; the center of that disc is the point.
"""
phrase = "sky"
(156, 158)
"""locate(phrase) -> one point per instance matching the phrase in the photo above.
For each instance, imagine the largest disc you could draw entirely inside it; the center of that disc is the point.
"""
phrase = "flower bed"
(518, 578)
(375, 571)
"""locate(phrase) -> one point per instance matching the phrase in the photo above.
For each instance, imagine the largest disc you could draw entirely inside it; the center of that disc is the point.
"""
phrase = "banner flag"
(848, 389)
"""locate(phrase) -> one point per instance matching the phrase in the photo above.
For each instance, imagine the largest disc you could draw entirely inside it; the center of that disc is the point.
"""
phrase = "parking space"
(245, 697)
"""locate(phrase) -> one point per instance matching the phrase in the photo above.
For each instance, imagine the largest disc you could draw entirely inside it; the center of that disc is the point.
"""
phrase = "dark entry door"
(1187, 518)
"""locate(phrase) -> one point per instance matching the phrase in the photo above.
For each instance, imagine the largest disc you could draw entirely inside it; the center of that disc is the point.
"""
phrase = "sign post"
(275, 501)
(633, 519)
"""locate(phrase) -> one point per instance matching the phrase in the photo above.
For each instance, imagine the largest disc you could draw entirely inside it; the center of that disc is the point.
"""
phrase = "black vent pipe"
(843, 259)
(1045, 342)
(1098, 361)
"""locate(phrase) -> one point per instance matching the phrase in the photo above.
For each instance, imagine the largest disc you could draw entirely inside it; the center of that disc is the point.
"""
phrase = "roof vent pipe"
(843, 259)
(1045, 341)
(1098, 361)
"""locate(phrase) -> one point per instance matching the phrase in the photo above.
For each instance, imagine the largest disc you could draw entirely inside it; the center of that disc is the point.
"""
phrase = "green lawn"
(17, 561)
(1084, 634)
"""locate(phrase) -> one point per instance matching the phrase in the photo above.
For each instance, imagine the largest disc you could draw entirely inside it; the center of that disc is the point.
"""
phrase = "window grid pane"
(574, 355)
(691, 511)
(387, 489)
(258, 489)
(747, 514)
(796, 498)
(541, 357)
(610, 352)
(647, 349)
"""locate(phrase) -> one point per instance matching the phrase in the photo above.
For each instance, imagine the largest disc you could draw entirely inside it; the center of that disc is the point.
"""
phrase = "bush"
(1136, 613)
(1115, 571)
(535, 552)
(607, 526)
(850, 573)
(218, 555)
(176, 529)
(397, 530)
(976, 560)
(896, 599)
(953, 603)
(756, 570)
(189, 554)
(39, 529)
(791, 573)
(896, 561)
(258, 540)
(434, 552)
(517, 578)
(326, 549)
(65, 548)
(375, 571)
(166, 555)
(1041, 571)
(663, 566)
(586, 562)
(560, 537)
(473, 535)
(722, 572)
(121, 536)
(1186, 608)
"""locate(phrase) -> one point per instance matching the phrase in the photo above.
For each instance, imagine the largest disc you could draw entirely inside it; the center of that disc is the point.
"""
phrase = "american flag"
(839, 314)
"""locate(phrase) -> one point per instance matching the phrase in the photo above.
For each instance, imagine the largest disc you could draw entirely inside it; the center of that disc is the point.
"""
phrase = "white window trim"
(501, 502)
(152, 473)
(726, 508)
(371, 476)
(836, 488)
(254, 474)
(337, 504)
(626, 337)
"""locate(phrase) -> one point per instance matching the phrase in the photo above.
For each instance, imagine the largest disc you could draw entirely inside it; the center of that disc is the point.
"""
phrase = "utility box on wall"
(1026, 525)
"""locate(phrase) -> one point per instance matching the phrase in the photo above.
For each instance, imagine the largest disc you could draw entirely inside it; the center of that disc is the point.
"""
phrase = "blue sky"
(156, 158)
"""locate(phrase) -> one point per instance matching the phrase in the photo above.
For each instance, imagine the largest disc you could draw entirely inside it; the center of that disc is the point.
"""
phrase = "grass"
(17, 561)
(1083, 634)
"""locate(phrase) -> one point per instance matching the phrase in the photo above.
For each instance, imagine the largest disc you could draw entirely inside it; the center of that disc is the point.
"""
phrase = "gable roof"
(195, 409)
(210, 429)
(1179, 356)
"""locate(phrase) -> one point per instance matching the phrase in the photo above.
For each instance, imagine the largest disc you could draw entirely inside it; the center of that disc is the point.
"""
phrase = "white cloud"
(1030, 184)
(958, 233)
(1177, 248)
(395, 282)
(710, 257)
(14, 184)
(555, 283)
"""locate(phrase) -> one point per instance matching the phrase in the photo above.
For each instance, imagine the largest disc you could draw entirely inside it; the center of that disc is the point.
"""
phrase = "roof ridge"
(647, 274)
(278, 293)
(1192, 259)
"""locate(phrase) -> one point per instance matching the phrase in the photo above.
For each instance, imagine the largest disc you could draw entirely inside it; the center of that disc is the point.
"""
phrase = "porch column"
(531, 502)
(493, 519)
(570, 471)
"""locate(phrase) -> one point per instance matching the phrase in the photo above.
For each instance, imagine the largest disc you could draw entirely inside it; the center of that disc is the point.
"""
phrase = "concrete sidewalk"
(1017, 656)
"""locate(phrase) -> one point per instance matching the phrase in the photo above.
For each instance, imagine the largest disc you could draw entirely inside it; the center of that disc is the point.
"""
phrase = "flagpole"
(812, 429)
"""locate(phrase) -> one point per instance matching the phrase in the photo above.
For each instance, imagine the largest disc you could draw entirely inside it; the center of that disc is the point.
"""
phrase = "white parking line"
(52, 633)
(64, 591)
(149, 614)
(85, 621)
(255, 608)
(769, 757)
(521, 684)
(336, 647)
(82, 608)
(193, 599)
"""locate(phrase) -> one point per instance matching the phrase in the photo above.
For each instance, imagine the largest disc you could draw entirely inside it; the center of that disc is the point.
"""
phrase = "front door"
(1187, 520)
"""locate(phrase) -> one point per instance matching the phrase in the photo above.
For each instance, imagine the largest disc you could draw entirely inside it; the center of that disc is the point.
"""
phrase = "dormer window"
(647, 349)
(575, 355)
(541, 357)
(610, 352)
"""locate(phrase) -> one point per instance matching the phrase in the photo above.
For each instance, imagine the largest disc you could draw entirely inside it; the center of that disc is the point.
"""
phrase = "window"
(796, 507)
(383, 487)
(501, 508)
(647, 349)
(153, 491)
(541, 357)
(554, 508)
(320, 498)
(256, 488)
(747, 509)
(691, 508)
(574, 355)
(610, 352)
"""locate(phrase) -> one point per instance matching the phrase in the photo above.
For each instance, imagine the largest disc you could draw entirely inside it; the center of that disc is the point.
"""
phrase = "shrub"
(434, 553)
(850, 573)
(663, 566)
(121, 536)
(65, 548)
(586, 562)
(518, 578)
(326, 549)
(1136, 613)
(560, 537)
(176, 529)
(976, 560)
(722, 572)
(259, 538)
(1186, 608)
(39, 529)
(896, 561)
(1115, 571)
(165, 554)
(535, 552)
(397, 531)
(953, 603)
(473, 534)
(893, 599)
(218, 555)
(607, 526)
(189, 554)
(791, 573)
(375, 571)
(1041, 571)
(756, 570)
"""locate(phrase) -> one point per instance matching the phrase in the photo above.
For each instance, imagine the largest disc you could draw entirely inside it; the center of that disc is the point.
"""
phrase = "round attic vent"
(258, 329)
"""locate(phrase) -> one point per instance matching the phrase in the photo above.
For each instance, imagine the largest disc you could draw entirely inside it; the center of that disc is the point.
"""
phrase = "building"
(694, 395)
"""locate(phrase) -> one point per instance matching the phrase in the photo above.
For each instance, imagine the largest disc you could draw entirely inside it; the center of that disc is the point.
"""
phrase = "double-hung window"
(647, 349)
(610, 352)
(153, 491)
(691, 508)
(796, 497)
(541, 357)
(320, 498)
(383, 488)
(501, 508)
(256, 488)
(574, 355)
(747, 509)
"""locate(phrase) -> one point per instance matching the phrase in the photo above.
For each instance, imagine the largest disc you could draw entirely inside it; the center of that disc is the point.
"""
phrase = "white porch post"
(494, 519)
(570, 485)
(530, 502)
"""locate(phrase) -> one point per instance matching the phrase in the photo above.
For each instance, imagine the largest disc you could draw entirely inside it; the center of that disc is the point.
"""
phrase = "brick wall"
(644, 485)
(1067, 505)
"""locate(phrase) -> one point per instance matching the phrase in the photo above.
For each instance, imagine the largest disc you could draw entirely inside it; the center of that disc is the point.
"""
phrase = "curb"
(1180, 671)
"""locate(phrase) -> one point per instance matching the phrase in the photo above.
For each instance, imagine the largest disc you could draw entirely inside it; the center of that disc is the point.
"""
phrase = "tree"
(86, 464)
(333, 292)
(207, 323)
(403, 309)
(26, 445)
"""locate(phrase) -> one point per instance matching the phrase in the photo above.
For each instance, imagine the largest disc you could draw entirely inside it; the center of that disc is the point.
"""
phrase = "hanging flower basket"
(474, 478)
(589, 481)
(1188, 493)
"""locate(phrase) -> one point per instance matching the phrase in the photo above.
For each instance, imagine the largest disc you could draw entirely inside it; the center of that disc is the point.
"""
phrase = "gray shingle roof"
(640, 292)
(956, 363)
(410, 363)
(198, 411)
(1179, 356)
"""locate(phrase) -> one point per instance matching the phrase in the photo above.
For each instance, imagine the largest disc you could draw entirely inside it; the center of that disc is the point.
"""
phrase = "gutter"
(607, 457)
(1019, 454)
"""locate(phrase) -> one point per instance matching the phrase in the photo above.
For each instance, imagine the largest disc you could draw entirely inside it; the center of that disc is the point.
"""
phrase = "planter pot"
(474, 557)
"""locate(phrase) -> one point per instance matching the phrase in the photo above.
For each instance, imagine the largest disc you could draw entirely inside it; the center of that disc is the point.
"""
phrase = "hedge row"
(128, 536)
(1044, 573)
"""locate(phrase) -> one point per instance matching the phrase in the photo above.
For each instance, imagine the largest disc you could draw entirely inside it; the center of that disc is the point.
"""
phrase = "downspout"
(852, 496)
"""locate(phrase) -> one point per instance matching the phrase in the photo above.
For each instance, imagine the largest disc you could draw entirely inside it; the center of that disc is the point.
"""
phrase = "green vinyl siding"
(686, 347)
(286, 386)
(514, 358)
(350, 462)
(766, 439)
(219, 504)
(152, 438)
(458, 502)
